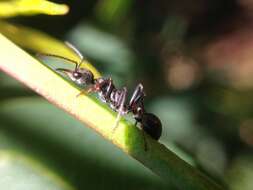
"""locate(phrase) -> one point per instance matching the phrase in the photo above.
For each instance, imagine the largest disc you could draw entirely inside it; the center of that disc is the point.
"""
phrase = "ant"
(115, 98)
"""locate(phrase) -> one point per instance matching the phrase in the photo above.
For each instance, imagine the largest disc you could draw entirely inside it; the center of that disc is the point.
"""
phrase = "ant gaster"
(115, 98)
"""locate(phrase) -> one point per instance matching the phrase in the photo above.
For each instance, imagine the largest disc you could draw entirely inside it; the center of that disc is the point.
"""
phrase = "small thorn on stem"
(81, 93)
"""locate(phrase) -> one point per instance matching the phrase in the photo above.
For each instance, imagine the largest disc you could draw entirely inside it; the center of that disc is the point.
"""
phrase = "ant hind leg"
(143, 135)
(145, 141)
(86, 91)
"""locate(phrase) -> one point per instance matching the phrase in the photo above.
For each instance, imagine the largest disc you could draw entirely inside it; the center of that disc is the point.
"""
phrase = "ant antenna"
(77, 52)
(74, 49)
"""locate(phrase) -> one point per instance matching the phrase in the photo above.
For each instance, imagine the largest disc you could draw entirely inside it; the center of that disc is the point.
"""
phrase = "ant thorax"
(109, 94)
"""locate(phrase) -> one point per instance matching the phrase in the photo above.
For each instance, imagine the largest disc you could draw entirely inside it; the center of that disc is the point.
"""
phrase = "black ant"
(115, 98)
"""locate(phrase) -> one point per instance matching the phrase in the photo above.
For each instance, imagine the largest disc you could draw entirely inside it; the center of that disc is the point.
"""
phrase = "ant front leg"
(121, 111)
(92, 88)
(88, 90)
(83, 91)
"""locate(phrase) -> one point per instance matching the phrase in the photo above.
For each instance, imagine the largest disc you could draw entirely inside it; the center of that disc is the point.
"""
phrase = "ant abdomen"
(152, 125)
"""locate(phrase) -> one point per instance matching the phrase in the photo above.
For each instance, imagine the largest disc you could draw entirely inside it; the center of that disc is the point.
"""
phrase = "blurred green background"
(195, 61)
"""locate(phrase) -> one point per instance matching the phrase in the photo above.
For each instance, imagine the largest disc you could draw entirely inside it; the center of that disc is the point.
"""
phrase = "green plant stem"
(20, 65)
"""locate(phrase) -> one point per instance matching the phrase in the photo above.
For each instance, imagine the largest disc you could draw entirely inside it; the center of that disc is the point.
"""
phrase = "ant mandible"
(115, 98)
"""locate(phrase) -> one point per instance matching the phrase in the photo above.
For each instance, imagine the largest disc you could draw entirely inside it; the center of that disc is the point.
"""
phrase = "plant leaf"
(31, 7)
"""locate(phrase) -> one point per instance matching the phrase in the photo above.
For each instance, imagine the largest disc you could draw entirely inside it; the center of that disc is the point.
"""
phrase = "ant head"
(152, 125)
(76, 75)
(80, 76)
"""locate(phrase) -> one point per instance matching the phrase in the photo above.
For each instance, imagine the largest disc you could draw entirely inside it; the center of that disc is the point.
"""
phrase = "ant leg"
(109, 89)
(83, 91)
(90, 89)
(144, 137)
(97, 86)
(122, 102)
(86, 91)
(145, 141)
(137, 95)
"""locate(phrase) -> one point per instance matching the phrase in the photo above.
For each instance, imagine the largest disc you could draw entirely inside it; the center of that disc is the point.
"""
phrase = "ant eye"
(77, 75)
